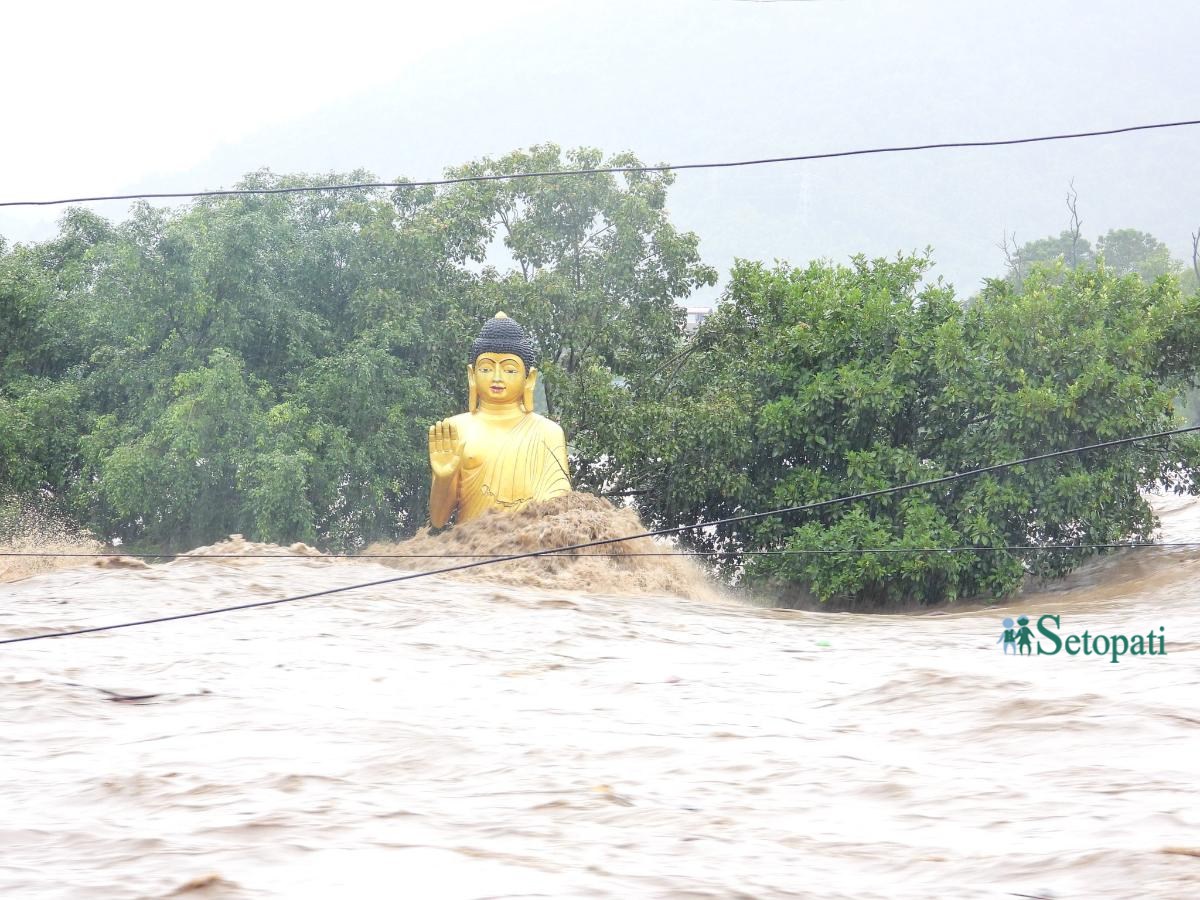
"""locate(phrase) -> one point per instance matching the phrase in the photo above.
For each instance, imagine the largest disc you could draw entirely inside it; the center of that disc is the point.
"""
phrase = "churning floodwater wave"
(467, 739)
(641, 566)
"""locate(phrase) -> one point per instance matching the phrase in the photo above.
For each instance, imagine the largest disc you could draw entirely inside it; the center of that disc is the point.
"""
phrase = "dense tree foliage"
(826, 381)
(1068, 248)
(269, 364)
(1128, 251)
(594, 262)
(1124, 251)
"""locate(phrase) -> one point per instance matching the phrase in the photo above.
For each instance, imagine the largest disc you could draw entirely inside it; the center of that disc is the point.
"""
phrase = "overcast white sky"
(116, 97)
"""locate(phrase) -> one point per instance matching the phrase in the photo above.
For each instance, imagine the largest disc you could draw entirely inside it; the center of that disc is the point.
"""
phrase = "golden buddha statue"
(499, 454)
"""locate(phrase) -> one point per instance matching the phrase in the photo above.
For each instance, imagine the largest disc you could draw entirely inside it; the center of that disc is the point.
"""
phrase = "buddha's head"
(502, 371)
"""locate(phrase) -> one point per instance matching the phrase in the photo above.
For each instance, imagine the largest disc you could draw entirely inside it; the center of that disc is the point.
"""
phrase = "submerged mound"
(237, 546)
(235, 550)
(621, 568)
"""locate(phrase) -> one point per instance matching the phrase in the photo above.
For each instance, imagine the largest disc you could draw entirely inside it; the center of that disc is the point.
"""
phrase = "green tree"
(313, 313)
(1068, 249)
(340, 325)
(1128, 251)
(814, 383)
(189, 460)
(596, 266)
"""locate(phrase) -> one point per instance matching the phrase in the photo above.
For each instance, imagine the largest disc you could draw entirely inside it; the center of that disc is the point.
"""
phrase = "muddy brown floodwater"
(473, 739)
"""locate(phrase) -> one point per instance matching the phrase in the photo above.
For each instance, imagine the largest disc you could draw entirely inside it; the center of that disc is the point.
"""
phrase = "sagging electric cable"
(679, 529)
(613, 170)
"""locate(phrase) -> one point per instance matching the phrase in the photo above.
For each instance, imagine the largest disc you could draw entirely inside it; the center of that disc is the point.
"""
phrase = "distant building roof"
(696, 316)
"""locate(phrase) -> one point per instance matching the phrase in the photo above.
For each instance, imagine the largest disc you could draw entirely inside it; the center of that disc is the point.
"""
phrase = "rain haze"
(158, 98)
(336, 561)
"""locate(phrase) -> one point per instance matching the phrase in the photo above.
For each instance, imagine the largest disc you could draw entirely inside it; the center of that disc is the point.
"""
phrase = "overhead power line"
(614, 170)
(678, 529)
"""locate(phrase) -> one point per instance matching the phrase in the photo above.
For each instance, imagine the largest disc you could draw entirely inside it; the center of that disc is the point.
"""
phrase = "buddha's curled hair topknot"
(504, 335)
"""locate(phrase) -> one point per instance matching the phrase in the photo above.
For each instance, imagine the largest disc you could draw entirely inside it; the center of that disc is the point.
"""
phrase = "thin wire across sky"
(615, 170)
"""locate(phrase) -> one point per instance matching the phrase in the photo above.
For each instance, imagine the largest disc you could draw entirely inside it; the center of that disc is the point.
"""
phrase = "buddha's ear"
(472, 390)
(530, 384)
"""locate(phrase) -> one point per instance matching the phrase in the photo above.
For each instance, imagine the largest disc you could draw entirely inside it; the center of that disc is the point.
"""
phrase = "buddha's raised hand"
(445, 449)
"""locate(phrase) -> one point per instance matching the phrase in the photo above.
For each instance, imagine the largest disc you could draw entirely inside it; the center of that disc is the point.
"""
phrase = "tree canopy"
(826, 381)
(1124, 251)
(269, 365)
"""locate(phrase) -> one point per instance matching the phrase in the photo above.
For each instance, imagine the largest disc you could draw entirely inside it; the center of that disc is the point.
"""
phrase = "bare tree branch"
(1012, 258)
(1076, 222)
(1196, 255)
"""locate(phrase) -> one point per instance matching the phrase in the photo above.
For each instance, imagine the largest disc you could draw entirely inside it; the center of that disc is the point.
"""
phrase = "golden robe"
(528, 463)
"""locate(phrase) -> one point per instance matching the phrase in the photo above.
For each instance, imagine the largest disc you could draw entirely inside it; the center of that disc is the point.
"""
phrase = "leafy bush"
(826, 381)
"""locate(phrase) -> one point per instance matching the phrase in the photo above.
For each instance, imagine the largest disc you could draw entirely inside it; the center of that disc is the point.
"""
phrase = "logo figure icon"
(1009, 637)
(1017, 638)
(1024, 633)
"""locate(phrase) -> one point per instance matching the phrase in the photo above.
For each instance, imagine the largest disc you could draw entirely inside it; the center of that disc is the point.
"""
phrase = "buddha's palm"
(445, 449)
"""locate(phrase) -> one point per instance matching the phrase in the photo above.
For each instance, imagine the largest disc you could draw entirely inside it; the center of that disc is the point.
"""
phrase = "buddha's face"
(499, 377)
